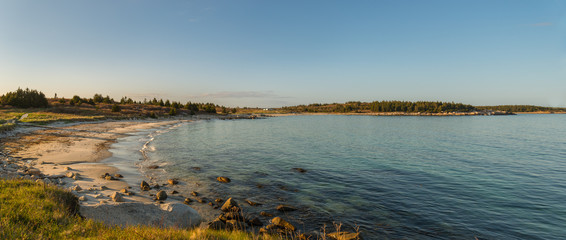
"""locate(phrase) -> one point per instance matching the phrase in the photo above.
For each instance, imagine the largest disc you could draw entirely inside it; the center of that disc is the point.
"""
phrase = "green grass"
(30, 210)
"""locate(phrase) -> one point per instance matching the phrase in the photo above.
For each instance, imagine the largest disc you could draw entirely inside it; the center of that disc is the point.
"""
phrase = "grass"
(7, 127)
(30, 210)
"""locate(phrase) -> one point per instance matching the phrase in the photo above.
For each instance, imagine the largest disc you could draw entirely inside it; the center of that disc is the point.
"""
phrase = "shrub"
(24, 99)
(173, 111)
(116, 108)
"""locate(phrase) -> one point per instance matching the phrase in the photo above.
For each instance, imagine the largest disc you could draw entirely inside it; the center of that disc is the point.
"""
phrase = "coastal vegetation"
(382, 106)
(32, 210)
(24, 99)
(522, 108)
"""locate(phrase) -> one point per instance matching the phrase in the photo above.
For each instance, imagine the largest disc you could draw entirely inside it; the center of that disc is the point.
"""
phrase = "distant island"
(33, 106)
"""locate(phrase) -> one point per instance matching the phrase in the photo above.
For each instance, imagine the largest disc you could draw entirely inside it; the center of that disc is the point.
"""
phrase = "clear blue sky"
(275, 53)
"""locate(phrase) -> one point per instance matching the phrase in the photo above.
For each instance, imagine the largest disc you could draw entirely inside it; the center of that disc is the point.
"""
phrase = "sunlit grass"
(30, 210)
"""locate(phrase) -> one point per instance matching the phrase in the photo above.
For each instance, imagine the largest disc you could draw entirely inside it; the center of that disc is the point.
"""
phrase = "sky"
(282, 53)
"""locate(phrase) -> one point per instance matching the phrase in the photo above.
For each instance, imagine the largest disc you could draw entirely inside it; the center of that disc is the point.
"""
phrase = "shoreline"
(55, 152)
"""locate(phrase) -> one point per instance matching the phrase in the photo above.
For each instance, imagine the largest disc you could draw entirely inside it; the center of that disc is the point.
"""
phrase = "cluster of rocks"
(15, 168)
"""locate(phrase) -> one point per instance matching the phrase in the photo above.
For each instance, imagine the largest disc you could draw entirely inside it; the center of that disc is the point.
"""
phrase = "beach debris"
(174, 192)
(117, 197)
(187, 201)
(172, 181)
(144, 186)
(230, 206)
(161, 195)
(153, 167)
(252, 203)
(265, 214)
(223, 179)
(76, 188)
(286, 208)
(343, 235)
(117, 175)
(194, 193)
(82, 198)
(300, 170)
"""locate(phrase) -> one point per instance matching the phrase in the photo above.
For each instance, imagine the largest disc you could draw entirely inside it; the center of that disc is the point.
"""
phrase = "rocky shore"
(71, 157)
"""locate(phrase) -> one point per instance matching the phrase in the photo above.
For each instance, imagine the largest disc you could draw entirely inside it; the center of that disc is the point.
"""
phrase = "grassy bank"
(30, 210)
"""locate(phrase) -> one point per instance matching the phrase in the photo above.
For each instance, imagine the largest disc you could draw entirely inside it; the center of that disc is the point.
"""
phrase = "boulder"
(161, 195)
(283, 224)
(76, 188)
(117, 175)
(187, 201)
(174, 192)
(172, 182)
(179, 215)
(218, 200)
(69, 174)
(82, 198)
(255, 222)
(223, 179)
(194, 193)
(286, 208)
(234, 225)
(230, 206)
(108, 177)
(343, 235)
(144, 186)
(217, 224)
(117, 197)
(34, 171)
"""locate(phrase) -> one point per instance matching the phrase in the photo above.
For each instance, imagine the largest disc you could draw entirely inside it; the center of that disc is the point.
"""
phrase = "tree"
(172, 111)
(116, 108)
(24, 99)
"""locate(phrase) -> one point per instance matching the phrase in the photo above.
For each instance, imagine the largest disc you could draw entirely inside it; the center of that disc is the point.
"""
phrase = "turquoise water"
(491, 177)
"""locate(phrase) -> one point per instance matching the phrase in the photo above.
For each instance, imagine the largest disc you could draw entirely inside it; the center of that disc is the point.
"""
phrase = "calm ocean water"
(491, 177)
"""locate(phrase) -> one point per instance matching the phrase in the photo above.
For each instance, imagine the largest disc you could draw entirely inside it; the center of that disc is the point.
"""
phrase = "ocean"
(389, 177)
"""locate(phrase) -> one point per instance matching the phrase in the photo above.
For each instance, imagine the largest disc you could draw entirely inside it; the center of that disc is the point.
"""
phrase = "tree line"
(32, 98)
(384, 106)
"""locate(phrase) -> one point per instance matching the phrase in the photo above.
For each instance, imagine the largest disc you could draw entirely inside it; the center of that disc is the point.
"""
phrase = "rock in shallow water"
(144, 186)
(161, 195)
(286, 208)
(223, 179)
(172, 182)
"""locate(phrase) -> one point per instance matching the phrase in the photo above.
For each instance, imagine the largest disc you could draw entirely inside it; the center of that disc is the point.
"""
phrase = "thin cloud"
(541, 24)
(241, 94)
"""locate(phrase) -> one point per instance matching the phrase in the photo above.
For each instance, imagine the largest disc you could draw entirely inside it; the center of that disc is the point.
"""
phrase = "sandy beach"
(61, 152)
